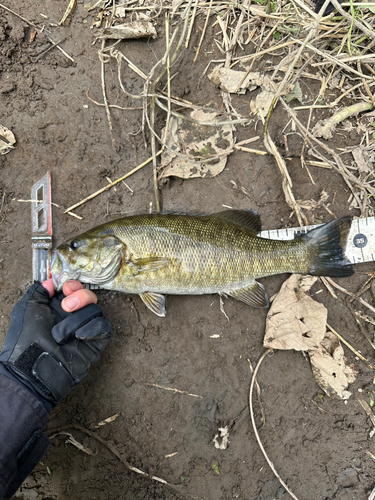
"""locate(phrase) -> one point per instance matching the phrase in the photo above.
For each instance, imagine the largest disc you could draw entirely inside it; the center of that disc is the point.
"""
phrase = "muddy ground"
(318, 445)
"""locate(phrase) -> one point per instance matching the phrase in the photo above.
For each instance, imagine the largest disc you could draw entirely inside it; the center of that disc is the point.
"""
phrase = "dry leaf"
(195, 143)
(71, 440)
(135, 29)
(311, 204)
(295, 320)
(120, 11)
(361, 158)
(7, 140)
(262, 103)
(329, 367)
(229, 79)
(296, 93)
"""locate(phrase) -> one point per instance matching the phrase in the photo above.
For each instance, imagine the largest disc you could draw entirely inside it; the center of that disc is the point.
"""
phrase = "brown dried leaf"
(311, 204)
(295, 320)
(262, 103)
(7, 140)
(361, 158)
(195, 143)
(135, 29)
(329, 367)
(229, 79)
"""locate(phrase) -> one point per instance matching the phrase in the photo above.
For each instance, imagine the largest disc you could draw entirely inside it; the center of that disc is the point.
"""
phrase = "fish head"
(94, 259)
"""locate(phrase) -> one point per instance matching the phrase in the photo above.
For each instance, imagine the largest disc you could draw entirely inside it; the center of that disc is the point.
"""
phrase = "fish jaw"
(60, 271)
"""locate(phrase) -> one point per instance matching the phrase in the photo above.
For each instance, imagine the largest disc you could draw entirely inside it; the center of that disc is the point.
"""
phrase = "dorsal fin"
(250, 219)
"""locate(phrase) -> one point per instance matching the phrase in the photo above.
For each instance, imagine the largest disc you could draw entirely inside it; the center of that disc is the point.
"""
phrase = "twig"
(352, 19)
(38, 30)
(109, 118)
(328, 286)
(358, 354)
(68, 13)
(109, 105)
(47, 50)
(191, 24)
(334, 60)
(117, 454)
(108, 186)
(339, 167)
(18, 15)
(60, 49)
(203, 32)
(173, 390)
(253, 378)
(2, 202)
(357, 316)
(249, 150)
(151, 121)
(368, 410)
(286, 180)
(259, 396)
(199, 122)
(363, 302)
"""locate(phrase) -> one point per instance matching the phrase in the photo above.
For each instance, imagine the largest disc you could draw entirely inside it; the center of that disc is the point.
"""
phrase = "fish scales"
(206, 255)
(184, 254)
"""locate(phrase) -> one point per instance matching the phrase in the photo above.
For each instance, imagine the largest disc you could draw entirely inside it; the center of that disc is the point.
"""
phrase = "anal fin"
(254, 295)
(155, 302)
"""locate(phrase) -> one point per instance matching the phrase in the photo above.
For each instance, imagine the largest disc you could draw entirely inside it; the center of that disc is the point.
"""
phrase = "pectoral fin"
(254, 295)
(155, 302)
(148, 264)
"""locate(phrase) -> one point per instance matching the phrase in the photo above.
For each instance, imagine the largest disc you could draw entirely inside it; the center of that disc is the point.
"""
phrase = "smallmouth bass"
(180, 254)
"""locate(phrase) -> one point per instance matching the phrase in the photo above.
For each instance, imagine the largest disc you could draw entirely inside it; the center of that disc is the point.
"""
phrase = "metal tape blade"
(361, 239)
(41, 227)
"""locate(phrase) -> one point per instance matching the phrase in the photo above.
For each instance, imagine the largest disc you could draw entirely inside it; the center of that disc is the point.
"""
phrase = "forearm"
(22, 443)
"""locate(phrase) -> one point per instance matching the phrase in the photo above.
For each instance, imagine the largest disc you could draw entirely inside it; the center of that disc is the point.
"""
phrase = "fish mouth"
(60, 271)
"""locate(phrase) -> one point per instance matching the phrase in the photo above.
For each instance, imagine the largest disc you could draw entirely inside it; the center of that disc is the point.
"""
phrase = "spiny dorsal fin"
(250, 219)
(253, 295)
(155, 302)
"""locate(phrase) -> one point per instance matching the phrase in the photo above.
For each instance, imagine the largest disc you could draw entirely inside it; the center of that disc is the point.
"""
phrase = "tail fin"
(326, 247)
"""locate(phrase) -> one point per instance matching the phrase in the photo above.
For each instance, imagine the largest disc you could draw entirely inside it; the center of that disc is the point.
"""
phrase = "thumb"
(48, 285)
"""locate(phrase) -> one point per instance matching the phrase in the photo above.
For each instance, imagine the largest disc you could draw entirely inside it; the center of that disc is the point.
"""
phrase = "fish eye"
(75, 244)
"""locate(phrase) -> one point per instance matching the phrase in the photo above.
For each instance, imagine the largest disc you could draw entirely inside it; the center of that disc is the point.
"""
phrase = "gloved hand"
(49, 348)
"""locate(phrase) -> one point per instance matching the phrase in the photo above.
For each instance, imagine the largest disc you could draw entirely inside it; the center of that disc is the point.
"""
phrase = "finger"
(65, 331)
(71, 286)
(48, 285)
(79, 299)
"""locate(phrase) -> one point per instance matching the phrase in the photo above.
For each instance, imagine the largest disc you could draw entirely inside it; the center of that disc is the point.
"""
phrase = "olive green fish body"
(202, 255)
(159, 254)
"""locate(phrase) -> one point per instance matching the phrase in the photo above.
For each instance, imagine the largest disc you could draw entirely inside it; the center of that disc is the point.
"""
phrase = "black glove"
(330, 8)
(52, 349)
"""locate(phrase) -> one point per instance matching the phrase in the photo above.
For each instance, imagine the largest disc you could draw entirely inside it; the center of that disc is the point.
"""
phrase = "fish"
(154, 255)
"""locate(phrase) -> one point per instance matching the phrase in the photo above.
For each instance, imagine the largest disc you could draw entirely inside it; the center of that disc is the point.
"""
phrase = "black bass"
(153, 255)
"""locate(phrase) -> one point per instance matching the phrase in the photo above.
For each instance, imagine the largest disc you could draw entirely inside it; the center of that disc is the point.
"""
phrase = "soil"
(317, 444)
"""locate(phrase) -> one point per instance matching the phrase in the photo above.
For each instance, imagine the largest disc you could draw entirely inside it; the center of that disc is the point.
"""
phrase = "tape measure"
(361, 239)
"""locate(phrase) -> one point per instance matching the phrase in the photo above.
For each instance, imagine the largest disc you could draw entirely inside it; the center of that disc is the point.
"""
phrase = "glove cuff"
(26, 384)
(47, 375)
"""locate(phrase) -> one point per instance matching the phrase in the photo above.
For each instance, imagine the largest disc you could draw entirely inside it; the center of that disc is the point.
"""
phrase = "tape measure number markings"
(361, 240)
